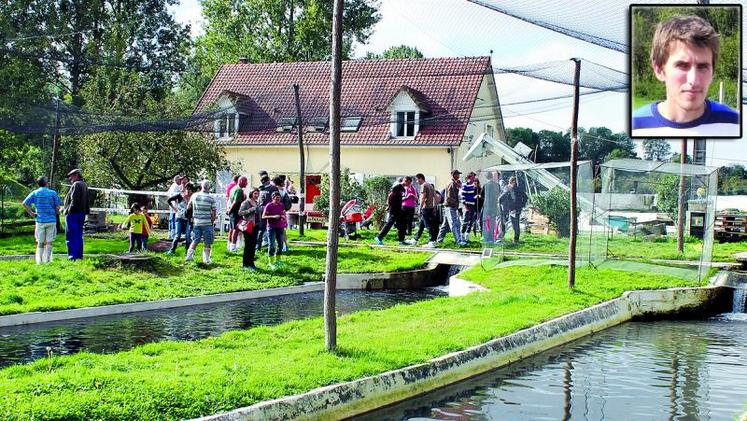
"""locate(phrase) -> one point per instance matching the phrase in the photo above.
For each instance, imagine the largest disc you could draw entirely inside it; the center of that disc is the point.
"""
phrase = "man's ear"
(658, 72)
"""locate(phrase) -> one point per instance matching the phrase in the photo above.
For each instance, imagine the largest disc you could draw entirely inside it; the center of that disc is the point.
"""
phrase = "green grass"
(171, 380)
(25, 286)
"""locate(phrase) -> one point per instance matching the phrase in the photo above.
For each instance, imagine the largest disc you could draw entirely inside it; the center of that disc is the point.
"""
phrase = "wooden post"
(681, 201)
(574, 173)
(330, 281)
(302, 195)
(55, 143)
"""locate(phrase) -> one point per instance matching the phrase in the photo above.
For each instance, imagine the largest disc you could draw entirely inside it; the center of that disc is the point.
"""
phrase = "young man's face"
(687, 74)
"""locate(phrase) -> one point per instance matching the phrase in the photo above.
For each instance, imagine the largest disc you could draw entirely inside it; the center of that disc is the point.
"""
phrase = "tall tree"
(656, 149)
(277, 30)
(136, 160)
(80, 36)
(399, 51)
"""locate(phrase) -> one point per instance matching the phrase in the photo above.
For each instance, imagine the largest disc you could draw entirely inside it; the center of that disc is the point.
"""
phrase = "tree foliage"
(594, 144)
(732, 180)
(396, 52)
(377, 189)
(141, 161)
(273, 31)
(556, 206)
(656, 149)
(349, 189)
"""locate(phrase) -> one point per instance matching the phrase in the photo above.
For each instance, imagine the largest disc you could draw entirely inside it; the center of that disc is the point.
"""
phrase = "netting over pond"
(539, 204)
(638, 206)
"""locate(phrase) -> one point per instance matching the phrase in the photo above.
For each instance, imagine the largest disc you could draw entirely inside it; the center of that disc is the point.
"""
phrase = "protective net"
(640, 201)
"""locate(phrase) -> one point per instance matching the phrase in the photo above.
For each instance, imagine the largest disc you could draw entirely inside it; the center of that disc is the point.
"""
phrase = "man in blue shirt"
(684, 52)
(46, 207)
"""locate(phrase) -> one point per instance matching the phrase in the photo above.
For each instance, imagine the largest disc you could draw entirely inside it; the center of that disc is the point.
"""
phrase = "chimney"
(243, 60)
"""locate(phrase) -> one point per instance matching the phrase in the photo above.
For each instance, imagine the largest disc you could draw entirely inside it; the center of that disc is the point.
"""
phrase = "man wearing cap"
(46, 204)
(76, 208)
(451, 208)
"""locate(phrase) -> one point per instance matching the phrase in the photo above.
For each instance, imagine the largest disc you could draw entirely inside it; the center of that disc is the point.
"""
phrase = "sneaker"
(285, 248)
(189, 258)
(273, 267)
(378, 241)
(404, 243)
(169, 252)
(463, 244)
(411, 242)
(430, 245)
(249, 268)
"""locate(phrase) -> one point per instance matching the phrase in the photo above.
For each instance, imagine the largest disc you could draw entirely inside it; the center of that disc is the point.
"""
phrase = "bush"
(556, 206)
(349, 189)
(376, 189)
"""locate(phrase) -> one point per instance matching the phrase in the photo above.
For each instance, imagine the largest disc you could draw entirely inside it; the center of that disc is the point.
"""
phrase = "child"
(146, 233)
(138, 225)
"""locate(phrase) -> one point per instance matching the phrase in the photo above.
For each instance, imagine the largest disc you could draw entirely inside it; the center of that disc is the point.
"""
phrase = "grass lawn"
(619, 246)
(171, 380)
(25, 286)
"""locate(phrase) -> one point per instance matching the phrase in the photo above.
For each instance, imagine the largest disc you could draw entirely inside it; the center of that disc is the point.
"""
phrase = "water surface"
(108, 334)
(664, 370)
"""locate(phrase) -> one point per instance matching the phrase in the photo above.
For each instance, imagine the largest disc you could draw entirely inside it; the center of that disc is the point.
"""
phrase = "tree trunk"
(681, 201)
(302, 181)
(330, 286)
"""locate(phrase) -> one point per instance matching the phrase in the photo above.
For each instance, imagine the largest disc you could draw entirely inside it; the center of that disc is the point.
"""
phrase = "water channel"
(662, 370)
(109, 334)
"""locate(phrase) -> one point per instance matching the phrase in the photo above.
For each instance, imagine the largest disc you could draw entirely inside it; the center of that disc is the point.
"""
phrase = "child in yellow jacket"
(138, 227)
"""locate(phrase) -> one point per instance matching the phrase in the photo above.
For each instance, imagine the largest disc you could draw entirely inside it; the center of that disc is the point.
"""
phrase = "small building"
(399, 117)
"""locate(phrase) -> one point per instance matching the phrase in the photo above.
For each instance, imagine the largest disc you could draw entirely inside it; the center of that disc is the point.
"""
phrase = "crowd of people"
(257, 216)
(468, 208)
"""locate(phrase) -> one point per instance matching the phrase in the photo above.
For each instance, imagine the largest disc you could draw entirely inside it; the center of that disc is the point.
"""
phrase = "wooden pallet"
(730, 227)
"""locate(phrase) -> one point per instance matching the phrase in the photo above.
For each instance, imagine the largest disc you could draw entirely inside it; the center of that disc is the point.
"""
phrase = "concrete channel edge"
(366, 394)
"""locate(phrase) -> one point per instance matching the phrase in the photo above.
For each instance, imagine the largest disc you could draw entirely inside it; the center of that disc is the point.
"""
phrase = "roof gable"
(445, 87)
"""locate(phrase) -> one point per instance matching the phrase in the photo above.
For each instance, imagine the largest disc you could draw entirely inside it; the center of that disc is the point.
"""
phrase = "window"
(490, 130)
(226, 125)
(286, 124)
(405, 126)
(351, 124)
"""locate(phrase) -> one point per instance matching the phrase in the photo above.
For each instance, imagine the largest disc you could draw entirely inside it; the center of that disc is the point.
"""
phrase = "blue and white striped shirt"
(46, 202)
(718, 120)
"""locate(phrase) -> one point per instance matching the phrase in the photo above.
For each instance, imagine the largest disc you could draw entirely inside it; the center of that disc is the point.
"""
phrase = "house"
(399, 117)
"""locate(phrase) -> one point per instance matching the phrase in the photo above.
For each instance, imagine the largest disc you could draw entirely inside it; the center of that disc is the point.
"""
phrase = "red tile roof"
(449, 87)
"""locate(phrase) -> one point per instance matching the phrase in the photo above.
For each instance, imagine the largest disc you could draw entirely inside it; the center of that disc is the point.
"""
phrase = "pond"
(118, 333)
(676, 370)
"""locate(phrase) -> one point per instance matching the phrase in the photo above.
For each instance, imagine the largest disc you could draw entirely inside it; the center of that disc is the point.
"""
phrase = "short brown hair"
(692, 30)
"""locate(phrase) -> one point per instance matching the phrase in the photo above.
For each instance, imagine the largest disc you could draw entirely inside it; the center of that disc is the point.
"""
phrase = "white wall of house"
(485, 117)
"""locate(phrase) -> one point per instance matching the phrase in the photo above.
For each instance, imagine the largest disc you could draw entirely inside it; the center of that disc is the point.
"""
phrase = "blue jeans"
(74, 235)
(183, 227)
(172, 224)
(275, 234)
(451, 220)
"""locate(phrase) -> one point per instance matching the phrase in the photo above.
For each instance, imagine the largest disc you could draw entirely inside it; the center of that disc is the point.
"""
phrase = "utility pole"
(574, 173)
(302, 197)
(55, 141)
(330, 279)
(681, 201)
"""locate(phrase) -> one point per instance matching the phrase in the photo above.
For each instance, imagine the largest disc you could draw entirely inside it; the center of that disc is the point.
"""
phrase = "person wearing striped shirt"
(203, 215)
(43, 204)
(468, 196)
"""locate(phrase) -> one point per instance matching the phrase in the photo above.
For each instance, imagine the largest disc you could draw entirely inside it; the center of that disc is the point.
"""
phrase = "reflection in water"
(117, 333)
(677, 370)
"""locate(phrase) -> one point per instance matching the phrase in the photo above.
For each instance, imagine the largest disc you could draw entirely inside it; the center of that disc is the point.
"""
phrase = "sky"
(455, 28)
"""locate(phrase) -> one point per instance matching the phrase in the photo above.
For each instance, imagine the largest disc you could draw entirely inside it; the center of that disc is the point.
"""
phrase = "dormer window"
(406, 124)
(406, 108)
(225, 126)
